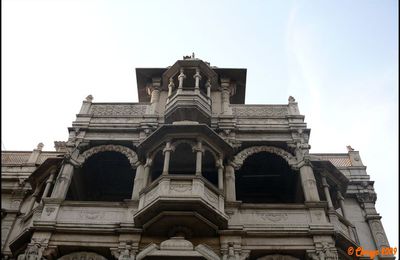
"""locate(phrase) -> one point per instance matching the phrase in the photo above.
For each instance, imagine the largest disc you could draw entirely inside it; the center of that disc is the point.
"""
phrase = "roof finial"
(349, 148)
(40, 146)
(192, 55)
(89, 98)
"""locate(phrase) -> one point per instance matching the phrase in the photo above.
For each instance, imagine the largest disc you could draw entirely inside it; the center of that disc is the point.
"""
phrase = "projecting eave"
(184, 131)
(43, 171)
(143, 77)
(332, 173)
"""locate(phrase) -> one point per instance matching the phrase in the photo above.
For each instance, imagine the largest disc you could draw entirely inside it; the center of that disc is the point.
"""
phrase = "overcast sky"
(339, 59)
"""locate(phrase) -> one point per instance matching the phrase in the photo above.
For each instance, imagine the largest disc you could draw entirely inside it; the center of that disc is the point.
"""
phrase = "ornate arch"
(130, 154)
(82, 256)
(240, 157)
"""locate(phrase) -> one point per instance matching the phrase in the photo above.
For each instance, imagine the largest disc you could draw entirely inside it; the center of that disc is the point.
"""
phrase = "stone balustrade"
(185, 187)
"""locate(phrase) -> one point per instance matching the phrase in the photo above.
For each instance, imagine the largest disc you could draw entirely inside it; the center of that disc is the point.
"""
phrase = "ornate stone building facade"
(188, 172)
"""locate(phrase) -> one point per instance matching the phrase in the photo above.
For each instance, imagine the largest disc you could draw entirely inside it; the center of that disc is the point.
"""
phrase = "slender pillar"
(309, 183)
(208, 86)
(33, 198)
(225, 85)
(197, 78)
(171, 86)
(341, 203)
(327, 193)
(138, 184)
(167, 156)
(49, 182)
(63, 181)
(147, 167)
(181, 77)
(199, 152)
(154, 92)
(230, 183)
(220, 167)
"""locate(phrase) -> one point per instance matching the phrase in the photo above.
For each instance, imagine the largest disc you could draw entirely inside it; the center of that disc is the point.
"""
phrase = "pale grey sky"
(339, 59)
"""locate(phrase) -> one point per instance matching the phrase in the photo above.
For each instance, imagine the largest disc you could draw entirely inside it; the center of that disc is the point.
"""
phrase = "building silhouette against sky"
(188, 172)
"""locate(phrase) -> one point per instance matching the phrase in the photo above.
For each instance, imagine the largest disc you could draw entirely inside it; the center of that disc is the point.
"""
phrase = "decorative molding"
(118, 110)
(274, 217)
(130, 154)
(264, 110)
(239, 158)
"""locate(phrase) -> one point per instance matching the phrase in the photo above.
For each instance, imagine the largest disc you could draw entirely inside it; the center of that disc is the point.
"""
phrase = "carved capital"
(366, 197)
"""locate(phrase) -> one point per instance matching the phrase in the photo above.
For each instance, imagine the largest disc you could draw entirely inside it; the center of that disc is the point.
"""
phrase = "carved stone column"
(154, 92)
(367, 202)
(341, 203)
(327, 193)
(308, 182)
(199, 152)
(171, 86)
(49, 182)
(230, 183)
(33, 198)
(225, 89)
(197, 78)
(220, 167)
(147, 176)
(181, 77)
(63, 181)
(167, 156)
(138, 184)
(208, 87)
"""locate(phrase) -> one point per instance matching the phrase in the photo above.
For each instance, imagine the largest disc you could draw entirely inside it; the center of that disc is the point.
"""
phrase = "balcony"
(191, 105)
(161, 203)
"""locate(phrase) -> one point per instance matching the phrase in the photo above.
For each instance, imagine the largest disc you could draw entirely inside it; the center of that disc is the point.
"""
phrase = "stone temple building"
(188, 172)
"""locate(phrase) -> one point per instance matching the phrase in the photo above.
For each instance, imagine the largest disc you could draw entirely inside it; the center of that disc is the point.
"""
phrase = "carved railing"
(260, 110)
(343, 226)
(118, 109)
(182, 187)
(14, 157)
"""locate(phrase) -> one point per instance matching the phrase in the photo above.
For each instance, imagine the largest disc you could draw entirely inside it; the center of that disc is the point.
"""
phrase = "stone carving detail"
(49, 211)
(92, 215)
(211, 196)
(176, 243)
(251, 111)
(274, 217)
(242, 155)
(324, 252)
(118, 110)
(180, 187)
(15, 204)
(82, 256)
(130, 154)
(366, 197)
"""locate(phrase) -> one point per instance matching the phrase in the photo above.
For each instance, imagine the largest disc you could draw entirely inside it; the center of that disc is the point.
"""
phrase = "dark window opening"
(209, 169)
(157, 166)
(183, 160)
(267, 178)
(106, 176)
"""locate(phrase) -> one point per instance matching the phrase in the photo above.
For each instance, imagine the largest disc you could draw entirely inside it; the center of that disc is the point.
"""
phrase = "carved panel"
(91, 215)
(118, 109)
(181, 187)
(262, 110)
